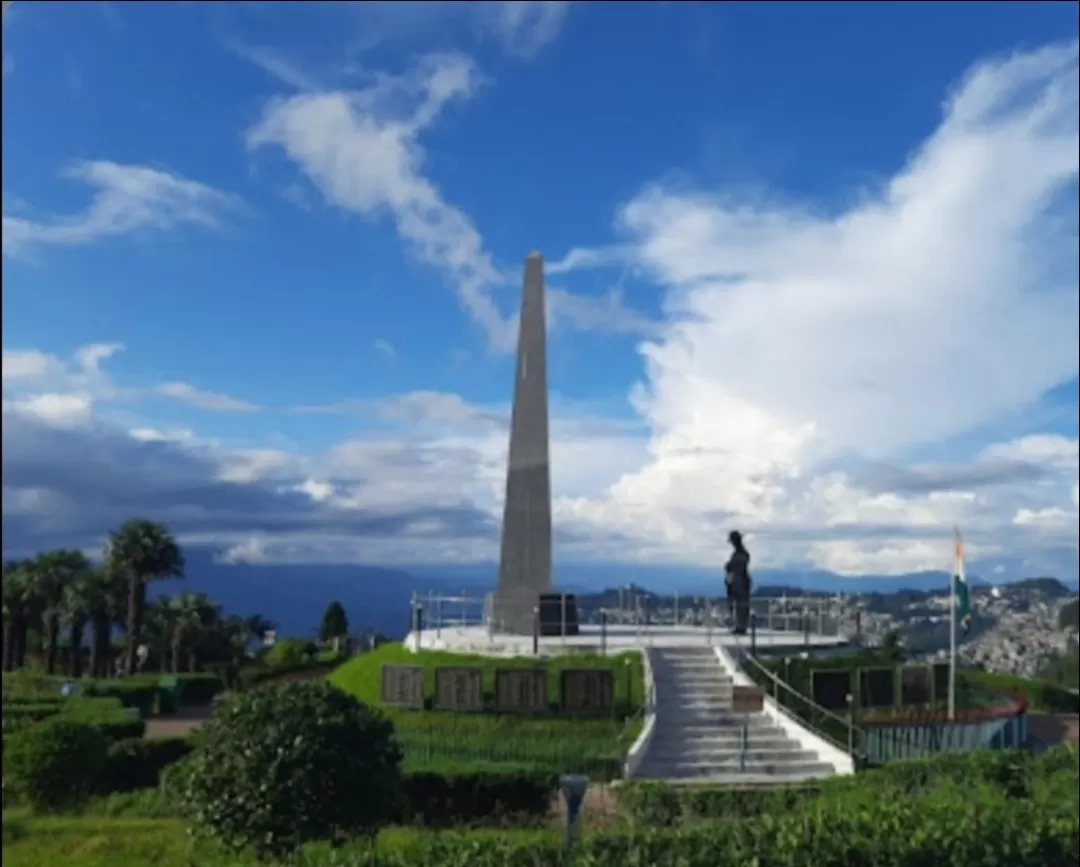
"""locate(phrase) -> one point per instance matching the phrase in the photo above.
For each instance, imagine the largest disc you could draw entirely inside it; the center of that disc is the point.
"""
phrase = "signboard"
(747, 699)
(588, 690)
(521, 690)
(877, 687)
(403, 686)
(459, 688)
(916, 685)
(831, 688)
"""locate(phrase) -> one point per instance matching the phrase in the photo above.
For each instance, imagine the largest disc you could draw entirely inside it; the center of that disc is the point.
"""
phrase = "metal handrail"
(857, 735)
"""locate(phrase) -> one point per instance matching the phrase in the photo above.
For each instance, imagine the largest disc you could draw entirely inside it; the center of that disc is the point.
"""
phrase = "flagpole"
(959, 553)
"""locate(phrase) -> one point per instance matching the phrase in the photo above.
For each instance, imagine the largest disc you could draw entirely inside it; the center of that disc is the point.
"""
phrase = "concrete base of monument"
(591, 639)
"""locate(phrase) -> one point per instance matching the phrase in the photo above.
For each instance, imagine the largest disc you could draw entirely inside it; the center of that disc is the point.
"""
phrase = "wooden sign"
(403, 686)
(521, 690)
(459, 688)
(587, 690)
(747, 699)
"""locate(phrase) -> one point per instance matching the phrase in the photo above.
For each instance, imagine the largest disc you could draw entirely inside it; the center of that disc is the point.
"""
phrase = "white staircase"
(698, 738)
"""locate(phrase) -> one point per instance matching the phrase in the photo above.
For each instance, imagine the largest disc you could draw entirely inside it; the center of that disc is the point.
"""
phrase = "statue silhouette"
(737, 579)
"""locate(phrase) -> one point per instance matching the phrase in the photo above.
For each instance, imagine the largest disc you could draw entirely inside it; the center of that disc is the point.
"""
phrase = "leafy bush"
(54, 764)
(278, 767)
(439, 800)
(139, 763)
(290, 651)
(107, 714)
(137, 692)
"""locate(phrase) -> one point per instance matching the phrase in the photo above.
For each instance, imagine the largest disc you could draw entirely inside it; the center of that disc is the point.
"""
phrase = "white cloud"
(523, 28)
(362, 150)
(796, 340)
(201, 399)
(385, 348)
(127, 199)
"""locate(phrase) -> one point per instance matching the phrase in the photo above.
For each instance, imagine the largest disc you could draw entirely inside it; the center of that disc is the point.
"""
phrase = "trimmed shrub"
(279, 767)
(440, 800)
(54, 764)
(138, 764)
(135, 692)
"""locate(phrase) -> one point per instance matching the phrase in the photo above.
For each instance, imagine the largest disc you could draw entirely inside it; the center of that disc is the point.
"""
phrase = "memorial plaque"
(588, 690)
(941, 681)
(916, 685)
(403, 686)
(877, 687)
(521, 690)
(459, 688)
(747, 699)
(831, 688)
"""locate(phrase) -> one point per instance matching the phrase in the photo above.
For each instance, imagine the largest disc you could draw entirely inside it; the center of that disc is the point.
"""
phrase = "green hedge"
(428, 799)
(264, 675)
(139, 763)
(1013, 772)
(439, 800)
(107, 714)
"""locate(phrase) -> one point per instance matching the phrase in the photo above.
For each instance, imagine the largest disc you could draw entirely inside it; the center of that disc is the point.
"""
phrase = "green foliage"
(278, 767)
(107, 714)
(265, 675)
(442, 741)
(289, 651)
(54, 764)
(441, 800)
(139, 763)
(335, 624)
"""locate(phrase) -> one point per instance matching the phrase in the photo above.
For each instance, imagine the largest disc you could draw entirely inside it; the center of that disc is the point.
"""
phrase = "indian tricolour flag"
(960, 588)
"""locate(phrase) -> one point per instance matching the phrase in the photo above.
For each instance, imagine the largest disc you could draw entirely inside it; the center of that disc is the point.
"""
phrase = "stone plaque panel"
(941, 682)
(521, 690)
(459, 688)
(831, 688)
(877, 687)
(916, 685)
(403, 686)
(588, 690)
(747, 699)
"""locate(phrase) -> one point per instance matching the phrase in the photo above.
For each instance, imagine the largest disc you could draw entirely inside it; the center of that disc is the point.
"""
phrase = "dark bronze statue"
(737, 579)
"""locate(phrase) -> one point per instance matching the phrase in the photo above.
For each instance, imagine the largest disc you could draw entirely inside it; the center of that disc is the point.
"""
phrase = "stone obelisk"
(525, 560)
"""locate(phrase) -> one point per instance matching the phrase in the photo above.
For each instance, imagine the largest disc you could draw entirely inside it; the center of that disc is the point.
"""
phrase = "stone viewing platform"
(593, 638)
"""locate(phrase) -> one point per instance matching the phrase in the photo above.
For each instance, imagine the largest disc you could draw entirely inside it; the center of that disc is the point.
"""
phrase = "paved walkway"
(177, 725)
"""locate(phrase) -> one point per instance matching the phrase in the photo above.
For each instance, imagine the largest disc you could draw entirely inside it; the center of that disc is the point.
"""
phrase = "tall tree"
(193, 614)
(142, 551)
(75, 608)
(17, 603)
(53, 572)
(335, 625)
(107, 596)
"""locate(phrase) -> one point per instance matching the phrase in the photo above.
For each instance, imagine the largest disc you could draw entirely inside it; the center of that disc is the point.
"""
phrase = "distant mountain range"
(294, 596)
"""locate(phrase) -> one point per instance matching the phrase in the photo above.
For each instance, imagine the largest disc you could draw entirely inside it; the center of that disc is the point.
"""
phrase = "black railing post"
(753, 634)
(806, 630)
(603, 632)
(536, 632)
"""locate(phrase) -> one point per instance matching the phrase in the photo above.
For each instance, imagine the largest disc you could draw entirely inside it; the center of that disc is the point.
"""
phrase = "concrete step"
(702, 687)
(757, 740)
(788, 754)
(691, 768)
(735, 781)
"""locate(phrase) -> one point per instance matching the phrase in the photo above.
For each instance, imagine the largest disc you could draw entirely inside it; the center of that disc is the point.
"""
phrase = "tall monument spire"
(525, 560)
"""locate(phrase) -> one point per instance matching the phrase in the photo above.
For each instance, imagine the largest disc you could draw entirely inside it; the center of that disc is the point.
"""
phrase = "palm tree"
(194, 613)
(106, 593)
(75, 608)
(16, 593)
(53, 572)
(142, 551)
(159, 623)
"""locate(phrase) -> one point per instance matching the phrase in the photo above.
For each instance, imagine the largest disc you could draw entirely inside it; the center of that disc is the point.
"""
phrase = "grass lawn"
(439, 740)
(108, 841)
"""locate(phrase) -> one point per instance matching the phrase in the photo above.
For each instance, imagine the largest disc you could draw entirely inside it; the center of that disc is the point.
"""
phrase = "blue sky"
(812, 266)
